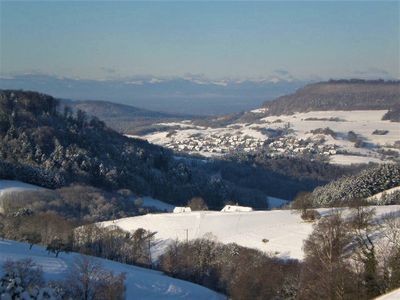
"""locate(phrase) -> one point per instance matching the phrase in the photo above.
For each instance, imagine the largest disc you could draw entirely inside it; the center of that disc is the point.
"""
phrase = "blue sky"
(216, 39)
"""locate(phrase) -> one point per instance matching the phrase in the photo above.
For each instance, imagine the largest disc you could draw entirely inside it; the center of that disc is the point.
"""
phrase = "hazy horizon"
(297, 40)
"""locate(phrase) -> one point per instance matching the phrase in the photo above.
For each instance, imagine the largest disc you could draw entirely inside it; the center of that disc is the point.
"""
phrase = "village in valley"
(330, 136)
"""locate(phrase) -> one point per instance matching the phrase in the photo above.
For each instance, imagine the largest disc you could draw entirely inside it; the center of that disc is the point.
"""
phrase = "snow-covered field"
(14, 186)
(284, 229)
(393, 295)
(387, 192)
(140, 283)
(9, 186)
(210, 142)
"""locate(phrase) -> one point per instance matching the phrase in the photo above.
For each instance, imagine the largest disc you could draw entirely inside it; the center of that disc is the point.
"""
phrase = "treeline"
(393, 114)
(239, 272)
(81, 204)
(338, 95)
(63, 221)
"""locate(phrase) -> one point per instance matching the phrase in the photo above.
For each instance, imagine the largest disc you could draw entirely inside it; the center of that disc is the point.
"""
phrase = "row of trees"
(115, 244)
(239, 272)
(81, 204)
(353, 257)
(59, 234)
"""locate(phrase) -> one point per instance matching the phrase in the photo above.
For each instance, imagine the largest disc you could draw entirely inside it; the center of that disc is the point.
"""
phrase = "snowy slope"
(14, 186)
(387, 192)
(284, 229)
(8, 186)
(140, 283)
(394, 295)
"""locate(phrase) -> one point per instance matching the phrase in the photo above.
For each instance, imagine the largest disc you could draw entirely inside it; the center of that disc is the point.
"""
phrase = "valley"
(339, 137)
(199, 150)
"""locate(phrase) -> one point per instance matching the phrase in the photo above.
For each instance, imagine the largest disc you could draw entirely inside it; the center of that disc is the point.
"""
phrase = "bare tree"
(87, 280)
(363, 226)
(30, 274)
(325, 272)
(390, 249)
(31, 237)
(197, 203)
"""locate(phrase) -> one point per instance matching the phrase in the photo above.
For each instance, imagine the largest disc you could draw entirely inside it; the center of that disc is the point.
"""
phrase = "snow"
(362, 122)
(378, 196)
(8, 186)
(259, 110)
(284, 229)
(235, 208)
(178, 210)
(341, 159)
(14, 186)
(394, 295)
(140, 283)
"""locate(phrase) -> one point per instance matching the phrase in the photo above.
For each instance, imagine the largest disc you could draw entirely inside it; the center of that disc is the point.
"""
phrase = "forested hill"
(40, 145)
(359, 186)
(123, 118)
(338, 95)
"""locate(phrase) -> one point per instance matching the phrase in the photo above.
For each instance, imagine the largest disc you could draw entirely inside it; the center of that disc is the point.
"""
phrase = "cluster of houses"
(216, 144)
(286, 145)
(291, 146)
(227, 208)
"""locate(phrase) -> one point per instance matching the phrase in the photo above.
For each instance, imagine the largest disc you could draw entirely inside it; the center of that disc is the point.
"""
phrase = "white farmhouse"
(181, 209)
(236, 208)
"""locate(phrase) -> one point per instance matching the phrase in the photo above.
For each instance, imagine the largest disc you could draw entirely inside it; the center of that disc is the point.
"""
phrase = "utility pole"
(187, 235)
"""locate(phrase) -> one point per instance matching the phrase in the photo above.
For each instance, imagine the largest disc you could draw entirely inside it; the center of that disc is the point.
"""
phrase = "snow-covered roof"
(230, 208)
(182, 209)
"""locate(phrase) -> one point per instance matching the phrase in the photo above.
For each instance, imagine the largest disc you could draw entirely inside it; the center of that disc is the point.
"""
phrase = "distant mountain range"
(186, 95)
(330, 95)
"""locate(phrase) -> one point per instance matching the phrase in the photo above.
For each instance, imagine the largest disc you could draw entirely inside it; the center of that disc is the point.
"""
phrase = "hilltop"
(122, 118)
(338, 95)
